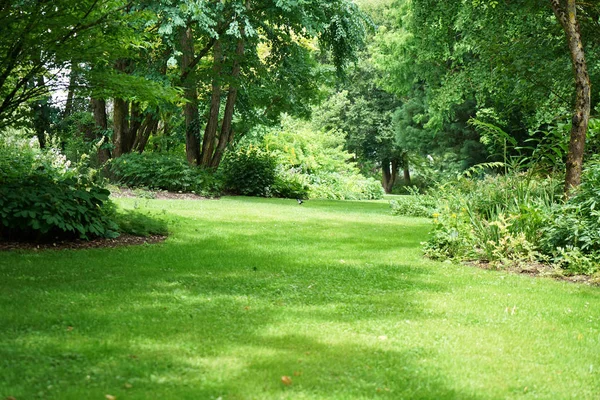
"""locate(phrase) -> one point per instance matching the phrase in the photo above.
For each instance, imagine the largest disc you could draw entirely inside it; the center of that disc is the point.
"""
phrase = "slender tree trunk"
(120, 127)
(120, 118)
(190, 94)
(41, 109)
(135, 123)
(71, 91)
(226, 135)
(99, 111)
(406, 168)
(566, 13)
(210, 133)
(386, 175)
(149, 126)
(389, 169)
(41, 112)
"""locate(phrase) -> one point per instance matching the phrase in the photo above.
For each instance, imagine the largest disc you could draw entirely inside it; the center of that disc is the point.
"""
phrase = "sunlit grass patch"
(333, 295)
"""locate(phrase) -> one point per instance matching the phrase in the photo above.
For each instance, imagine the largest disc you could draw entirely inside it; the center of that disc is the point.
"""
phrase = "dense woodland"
(485, 112)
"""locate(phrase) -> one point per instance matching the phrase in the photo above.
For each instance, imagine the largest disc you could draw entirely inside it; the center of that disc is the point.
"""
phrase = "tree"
(566, 13)
(363, 111)
(235, 47)
(38, 39)
(507, 56)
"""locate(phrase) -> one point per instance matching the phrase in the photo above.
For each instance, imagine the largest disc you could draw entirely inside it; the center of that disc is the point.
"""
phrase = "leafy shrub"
(496, 219)
(572, 231)
(290, 185)
(415, 205)
(42, 197)
(319, 158)
(249, 171)
(162, 171)
(338, 186)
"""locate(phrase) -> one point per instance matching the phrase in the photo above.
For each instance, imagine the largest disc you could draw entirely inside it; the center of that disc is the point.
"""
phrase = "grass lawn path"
(333, 295)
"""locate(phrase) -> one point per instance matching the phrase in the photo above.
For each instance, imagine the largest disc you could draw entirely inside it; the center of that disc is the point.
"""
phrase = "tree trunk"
(121, 127)
(41, 109)
(567, 16)
(149, 126)
(227, 127)
(99, 111)
(210, 133)
(136, 120)
(41, 115)
(406, 168)
(71, 90)
(190, 94)
(389, 169)
(121, 117)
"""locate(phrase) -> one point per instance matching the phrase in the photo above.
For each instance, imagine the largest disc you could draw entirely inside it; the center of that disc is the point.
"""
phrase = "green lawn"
(334, 295)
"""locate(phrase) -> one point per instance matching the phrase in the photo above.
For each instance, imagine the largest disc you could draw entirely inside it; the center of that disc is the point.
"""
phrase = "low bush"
(163, 172)
(249, 171)
(415, 205)
(340, 186)
(497, 219)
(290, 185)
(319, 161)
(571, 233)
(42, 197)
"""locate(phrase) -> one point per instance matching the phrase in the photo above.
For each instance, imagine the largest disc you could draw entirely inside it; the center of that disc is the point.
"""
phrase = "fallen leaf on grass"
(297, 373)
(128, 386)
(286, 380)
(110, 397)
(69, 328)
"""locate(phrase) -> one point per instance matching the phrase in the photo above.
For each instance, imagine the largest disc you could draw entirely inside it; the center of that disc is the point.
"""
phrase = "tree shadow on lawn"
(177, 343)
(220, 315)
(252, 369)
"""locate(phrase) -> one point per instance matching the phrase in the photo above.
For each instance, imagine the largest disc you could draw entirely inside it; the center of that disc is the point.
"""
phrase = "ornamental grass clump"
(497, 219)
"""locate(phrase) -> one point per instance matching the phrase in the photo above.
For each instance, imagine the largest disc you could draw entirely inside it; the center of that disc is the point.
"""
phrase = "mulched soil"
(540, 270)
(161, 195)
(123, 240)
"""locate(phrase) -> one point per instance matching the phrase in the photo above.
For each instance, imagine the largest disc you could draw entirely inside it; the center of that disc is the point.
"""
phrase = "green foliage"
(249, 171)
(163, 171)
(414, 205)
(495, 219)
(518, 218)
(290, 185)
(42, 198)
(572, 232)
(340, 186)
(363, 112)
(319, 160)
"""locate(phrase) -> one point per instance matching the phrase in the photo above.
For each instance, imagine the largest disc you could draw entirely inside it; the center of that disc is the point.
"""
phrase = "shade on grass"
(334, 295)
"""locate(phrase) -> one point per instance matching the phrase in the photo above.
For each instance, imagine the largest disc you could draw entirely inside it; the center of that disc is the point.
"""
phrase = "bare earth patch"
(148, 194)
(539, 270)
(123, 240)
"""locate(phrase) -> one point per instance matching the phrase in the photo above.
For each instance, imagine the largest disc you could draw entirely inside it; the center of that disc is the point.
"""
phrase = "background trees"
(223, 66)
(510, 59)
(207, 73)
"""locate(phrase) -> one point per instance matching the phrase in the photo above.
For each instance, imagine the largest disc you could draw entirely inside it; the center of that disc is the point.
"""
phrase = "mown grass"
(334, 295)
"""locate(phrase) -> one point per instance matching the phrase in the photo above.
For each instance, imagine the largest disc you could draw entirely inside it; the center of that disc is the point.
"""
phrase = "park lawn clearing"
(268, 299)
